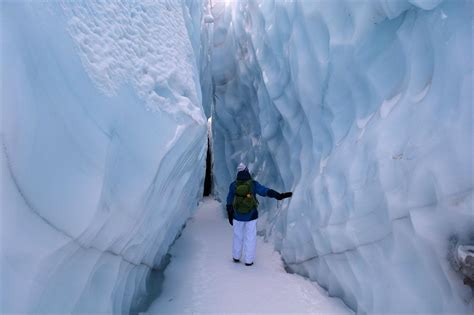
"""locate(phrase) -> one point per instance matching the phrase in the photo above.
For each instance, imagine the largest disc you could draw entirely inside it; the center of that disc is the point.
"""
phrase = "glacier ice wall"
(363, 109)
(103, 148)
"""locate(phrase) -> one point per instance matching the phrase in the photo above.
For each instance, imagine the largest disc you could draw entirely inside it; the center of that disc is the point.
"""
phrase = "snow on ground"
(202, 278)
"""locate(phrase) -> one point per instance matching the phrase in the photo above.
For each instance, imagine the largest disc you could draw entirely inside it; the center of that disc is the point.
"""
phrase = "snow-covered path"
(202, 278)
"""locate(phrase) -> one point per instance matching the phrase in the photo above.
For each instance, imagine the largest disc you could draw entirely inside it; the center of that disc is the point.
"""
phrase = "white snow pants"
(245, 238)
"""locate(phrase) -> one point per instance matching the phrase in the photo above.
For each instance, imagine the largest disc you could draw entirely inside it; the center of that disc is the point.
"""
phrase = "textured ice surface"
(103, 149)
(364, 110)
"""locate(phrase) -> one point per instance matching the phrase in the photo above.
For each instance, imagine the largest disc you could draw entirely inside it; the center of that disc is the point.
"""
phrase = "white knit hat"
(241, 167)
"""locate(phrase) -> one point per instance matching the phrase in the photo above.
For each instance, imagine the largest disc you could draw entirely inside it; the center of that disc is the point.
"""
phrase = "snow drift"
(103, 149)
(363, 109)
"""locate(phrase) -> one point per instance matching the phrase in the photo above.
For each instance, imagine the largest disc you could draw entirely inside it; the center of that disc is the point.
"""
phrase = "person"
(242, 212)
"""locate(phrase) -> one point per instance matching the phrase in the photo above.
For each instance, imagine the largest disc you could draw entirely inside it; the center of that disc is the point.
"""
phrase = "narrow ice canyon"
(363, 109)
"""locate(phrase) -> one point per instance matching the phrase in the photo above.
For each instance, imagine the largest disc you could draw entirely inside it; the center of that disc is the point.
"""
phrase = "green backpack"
(244, 200)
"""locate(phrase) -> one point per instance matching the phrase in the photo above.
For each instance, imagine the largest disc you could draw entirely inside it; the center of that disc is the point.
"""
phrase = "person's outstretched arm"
(279, 196)
(260, 189)
(267, 192)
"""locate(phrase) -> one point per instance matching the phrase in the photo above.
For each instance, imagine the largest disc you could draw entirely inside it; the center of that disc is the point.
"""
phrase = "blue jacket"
(256, 189)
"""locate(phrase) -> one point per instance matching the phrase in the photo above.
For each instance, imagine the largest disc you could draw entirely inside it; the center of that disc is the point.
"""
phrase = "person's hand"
(273, 194)
(283, 195)
(230, 213)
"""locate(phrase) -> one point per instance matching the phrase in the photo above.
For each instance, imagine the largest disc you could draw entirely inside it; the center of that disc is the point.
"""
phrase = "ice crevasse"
(103, 149)
(364, 110)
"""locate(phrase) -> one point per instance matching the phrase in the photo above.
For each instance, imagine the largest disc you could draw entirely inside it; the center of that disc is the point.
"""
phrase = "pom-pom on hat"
(241, 167)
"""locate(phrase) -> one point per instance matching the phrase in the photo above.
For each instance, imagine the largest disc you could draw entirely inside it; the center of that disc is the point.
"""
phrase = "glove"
(230, 213)
(273, 194)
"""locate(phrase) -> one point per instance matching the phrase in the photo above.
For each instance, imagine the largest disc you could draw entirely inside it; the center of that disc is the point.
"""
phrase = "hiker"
(242, 212)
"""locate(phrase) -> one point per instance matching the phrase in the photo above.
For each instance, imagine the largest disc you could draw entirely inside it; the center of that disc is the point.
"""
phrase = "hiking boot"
(236, 260)
(246, 264)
